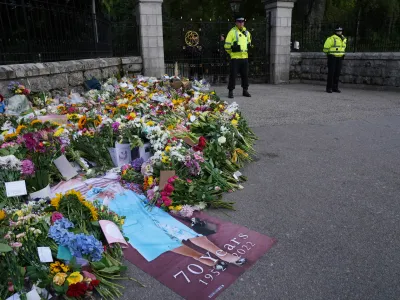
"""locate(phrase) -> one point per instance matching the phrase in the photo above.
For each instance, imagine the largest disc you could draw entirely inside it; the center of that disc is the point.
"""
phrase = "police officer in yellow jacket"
(237, 43)
(335, 47)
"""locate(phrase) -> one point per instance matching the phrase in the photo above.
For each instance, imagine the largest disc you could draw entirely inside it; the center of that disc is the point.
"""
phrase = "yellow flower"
(178, 207)
(11, 136)
(189, 115)
(65, 268)
(59, 131)
(150, 180)
(171, 127)
(168, 148)
(234, 122)
(150, 123)
(82, 122)
(171, 207)
(164, 158)
(74, 278)
(2, 215)
(122, 222)
(98, 121)
(19, 213)
(20, 128)
(56, 201)
(36, 122)
(59, 279)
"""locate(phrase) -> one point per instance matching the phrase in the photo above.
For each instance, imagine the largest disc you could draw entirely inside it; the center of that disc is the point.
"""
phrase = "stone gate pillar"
(281, 30)
(149, 17)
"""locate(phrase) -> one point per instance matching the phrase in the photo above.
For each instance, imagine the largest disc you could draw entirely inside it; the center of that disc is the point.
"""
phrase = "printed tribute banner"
(191, 278)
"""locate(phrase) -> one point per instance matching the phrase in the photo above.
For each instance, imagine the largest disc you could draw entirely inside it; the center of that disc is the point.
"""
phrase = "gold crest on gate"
(192, 38)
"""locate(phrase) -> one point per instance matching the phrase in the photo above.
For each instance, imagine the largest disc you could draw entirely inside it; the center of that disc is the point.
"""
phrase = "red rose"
(202, 142)
(77, 289)
(95, 282)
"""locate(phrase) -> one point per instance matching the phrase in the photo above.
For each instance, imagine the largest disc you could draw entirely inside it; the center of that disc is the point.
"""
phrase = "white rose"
(221, 140)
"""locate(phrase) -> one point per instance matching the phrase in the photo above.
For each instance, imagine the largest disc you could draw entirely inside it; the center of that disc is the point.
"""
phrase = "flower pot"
(43, 193)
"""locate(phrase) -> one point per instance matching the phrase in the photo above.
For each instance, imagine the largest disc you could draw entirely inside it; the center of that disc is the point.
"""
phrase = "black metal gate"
(196, 49)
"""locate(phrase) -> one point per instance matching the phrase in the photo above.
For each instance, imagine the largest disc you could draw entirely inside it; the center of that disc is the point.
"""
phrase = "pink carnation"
(172, 179)
(56, 216)
(27, 167)
(167, 201)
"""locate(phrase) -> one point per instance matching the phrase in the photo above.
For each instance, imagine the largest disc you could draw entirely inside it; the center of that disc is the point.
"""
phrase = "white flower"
(192, 118)
(221, 140)
(10, 162)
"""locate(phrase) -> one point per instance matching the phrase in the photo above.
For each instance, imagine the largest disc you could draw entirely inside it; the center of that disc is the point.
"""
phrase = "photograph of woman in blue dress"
(152, 231)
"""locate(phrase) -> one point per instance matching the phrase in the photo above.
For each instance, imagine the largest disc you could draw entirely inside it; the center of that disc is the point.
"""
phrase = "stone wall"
(66, 74)
(379, 69)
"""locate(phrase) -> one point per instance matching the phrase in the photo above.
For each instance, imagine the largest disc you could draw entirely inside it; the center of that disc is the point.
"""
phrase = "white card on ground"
(65, 167)
(33, 295)
(236, 175)
(16, 188)
(14, 297)
(45, 254)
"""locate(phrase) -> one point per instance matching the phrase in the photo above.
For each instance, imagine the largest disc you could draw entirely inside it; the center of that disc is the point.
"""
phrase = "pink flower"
(172, 179)
(217, 188)
(56, 216)
(27, 167)
(186, 211)
(169, 188)
(189, 181)
(167, 201)
(87, 274)
(16, 245)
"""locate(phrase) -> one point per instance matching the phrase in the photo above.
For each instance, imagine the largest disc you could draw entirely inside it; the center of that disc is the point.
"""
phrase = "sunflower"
(98, 121)
(93, 210)
(34, 122)
(10, 137)
(56, 201)
(20, 128)
(82, 122)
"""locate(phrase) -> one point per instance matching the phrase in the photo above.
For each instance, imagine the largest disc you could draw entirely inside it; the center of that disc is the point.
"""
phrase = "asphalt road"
(326, 184)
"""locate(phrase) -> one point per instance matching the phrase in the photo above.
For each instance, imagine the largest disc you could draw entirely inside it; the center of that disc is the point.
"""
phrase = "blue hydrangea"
(79, 244)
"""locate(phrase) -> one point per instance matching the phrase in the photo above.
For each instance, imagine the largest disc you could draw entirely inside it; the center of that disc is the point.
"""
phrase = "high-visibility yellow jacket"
(335, 45)
(243, 39)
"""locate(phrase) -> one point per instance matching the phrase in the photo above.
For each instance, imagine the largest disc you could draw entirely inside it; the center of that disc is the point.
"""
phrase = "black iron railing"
(362, 35)
(40, 31)
(204, 56)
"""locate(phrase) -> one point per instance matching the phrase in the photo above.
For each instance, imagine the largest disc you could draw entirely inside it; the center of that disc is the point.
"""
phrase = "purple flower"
(27, 167)
(30, 141)
(115, 126)
(137, 164)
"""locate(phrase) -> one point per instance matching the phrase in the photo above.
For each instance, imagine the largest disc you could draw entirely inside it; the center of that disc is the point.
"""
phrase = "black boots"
(245, 94)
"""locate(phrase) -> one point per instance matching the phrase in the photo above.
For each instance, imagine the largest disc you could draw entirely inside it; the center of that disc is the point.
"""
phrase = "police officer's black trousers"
(334, 70)
(239, 66)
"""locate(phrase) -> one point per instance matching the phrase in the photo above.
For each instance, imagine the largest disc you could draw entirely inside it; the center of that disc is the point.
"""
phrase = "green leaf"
(5, 248)
(98, 265)
(95, 223)
(111, 270)
(191, 189)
